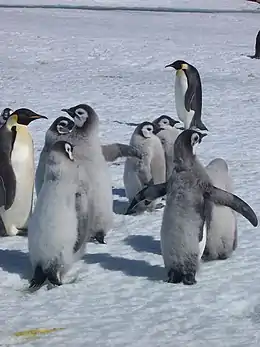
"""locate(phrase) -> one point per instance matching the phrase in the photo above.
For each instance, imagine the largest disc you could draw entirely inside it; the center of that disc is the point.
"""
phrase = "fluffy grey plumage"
(222, 229)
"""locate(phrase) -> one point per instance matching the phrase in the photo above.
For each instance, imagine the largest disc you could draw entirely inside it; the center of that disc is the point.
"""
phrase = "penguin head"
(62, 125)
(5, 114)
(79, 113)
(26, 116)
(187, 142)
(179, 65)
(146, 129)
(65, 148)
(164, 122)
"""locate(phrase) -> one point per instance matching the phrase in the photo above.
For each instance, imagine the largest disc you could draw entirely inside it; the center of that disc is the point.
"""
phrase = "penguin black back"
(257, 46)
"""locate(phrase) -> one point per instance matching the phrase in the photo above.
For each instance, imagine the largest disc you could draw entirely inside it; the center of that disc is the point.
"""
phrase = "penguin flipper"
(127, 123)
(149, 193)
(117, 150)
(7, 186)
(222, 197)
(189, 96)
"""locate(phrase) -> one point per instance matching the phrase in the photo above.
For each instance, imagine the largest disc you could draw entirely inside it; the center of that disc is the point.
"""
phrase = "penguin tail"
(40, 276)
(197, 123)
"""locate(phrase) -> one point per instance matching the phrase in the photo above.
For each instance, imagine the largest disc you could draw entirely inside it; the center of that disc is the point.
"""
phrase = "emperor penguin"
(53, 238)
(257, 47)
(189, 197)
(150, 169)
(222, 228)
(7, 175)
(5, 114)
(188, 94)
(94, 196)
(167, 133)
(61, 126)
(22, 159)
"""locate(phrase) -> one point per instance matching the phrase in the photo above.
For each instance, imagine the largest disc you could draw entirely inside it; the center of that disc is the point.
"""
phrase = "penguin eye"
(68, 150)
(165, 121)
(194, 139)
(64, 123)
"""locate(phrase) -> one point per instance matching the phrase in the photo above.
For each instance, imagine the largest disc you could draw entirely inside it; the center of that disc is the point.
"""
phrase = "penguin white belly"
(181, 86)
(22, 160)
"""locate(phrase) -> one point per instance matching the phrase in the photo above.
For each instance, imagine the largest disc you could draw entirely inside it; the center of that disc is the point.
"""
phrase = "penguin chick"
(190, 194)
(5, 114)
(151, 168)
(222, 228)
(22, 160)
(188, 94)
(61, 126)
(167, 133)
(95, 199)
(53, 227)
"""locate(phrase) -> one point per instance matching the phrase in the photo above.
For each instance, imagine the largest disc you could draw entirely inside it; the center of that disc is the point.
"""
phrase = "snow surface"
(115, 61)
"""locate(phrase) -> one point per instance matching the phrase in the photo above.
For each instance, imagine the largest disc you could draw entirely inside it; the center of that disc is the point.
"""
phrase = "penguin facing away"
(7, 175)
(188, 94)
(257, 47)
(22, 160)
(151, 168)
(94, 197)
(5, 114)
(188, 207)
(53, 239)
(167, 133)
(61, 126)
(222, 228)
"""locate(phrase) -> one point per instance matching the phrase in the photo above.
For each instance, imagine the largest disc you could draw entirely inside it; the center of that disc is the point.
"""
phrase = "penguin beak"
(169, 65)
(69, 111)
(37, 116)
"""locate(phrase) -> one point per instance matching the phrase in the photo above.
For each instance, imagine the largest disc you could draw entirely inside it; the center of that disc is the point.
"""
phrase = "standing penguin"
(222, 228)
(22, 159)
(188, 94)
(167, 133)
(151, 168)
(94, 197)
(53, 239)
(5, 114)
(7, 176)
(257, 47)
(61, 126)
(190, 195)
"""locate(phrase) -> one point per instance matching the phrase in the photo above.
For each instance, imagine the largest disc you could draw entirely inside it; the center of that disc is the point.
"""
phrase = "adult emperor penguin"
(53, 238)
(222, 228)
(94, 198)
(151, 168)
(257, 47)
(7, 181)
(22, 159)
(167, 133)
(188, 94)
(5, 114)
(190, 194)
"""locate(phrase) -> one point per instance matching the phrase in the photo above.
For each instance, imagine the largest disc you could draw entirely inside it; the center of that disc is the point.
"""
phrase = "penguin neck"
(183, 154)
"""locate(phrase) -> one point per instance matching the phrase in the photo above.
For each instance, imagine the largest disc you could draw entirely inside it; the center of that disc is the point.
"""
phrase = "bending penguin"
(22, 160)
(189, 197)
(167, 133)
(257, 47)
(94, 196)
(188, 94)
(222, 228)
(150, 169)
(53, 239)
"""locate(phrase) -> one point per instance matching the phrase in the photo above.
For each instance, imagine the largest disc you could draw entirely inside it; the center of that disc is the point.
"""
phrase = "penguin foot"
(189, 279)
(174, 276)
(12, 231)
(100, 237)
(159, 206)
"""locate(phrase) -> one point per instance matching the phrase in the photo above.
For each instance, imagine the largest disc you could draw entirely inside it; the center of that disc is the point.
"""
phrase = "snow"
(115, 61)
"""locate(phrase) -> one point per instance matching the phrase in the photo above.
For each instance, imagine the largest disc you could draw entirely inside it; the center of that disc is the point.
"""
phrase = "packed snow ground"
(115, 62)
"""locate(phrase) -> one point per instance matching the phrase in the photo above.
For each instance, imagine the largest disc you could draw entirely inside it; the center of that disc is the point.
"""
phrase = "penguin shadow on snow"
(129, 267)
(15, 261)
(143, 243)
(119, 206)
